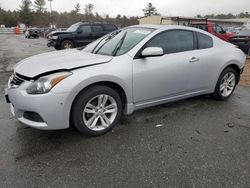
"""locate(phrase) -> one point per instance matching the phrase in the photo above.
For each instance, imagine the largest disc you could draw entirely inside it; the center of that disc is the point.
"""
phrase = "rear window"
(202, 27)
(109, 27)
(204, 41)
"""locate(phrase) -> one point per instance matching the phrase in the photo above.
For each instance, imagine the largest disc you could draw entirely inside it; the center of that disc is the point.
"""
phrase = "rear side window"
(85, 29)
(97, 28)
(109, 27)
(204, 41)
(173, 41)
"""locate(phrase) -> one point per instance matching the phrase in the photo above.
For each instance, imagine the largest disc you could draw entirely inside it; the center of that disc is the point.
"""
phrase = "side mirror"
(152, 52)
(79, 31)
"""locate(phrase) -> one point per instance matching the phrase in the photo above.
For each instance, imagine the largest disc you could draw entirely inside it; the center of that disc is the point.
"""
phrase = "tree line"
(225, 16)
(36, 14)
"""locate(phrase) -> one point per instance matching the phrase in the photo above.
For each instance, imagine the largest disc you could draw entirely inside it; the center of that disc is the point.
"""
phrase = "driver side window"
(217, 29)
(173, 41)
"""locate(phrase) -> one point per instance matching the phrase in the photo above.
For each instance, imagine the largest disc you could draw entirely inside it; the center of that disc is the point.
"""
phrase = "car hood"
(60, 32)
(244, 33)
(58, 60)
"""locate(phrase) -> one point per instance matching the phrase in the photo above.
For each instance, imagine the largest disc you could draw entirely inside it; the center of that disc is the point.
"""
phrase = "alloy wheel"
(227, 84)
(67, 45)
(100, 112)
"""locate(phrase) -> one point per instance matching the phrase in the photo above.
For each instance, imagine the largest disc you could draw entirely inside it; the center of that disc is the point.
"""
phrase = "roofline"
(182, 18)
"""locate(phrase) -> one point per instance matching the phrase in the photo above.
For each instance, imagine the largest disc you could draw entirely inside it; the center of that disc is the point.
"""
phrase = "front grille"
(16, 81)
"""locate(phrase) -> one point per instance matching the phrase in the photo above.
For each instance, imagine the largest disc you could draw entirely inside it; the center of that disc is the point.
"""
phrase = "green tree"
(40, 5)
(150, 10)
(98, 17)
(247, 14)
(25, 12)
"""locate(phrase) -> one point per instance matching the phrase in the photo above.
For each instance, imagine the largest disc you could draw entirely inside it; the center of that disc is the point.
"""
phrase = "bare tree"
(77, 8)
(89, 9)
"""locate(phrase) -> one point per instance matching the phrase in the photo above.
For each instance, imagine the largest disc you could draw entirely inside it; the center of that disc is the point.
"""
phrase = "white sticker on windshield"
(143, 32)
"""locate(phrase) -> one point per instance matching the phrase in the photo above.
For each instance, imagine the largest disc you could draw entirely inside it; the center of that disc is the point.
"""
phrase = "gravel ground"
(198, 142)
(245, 78)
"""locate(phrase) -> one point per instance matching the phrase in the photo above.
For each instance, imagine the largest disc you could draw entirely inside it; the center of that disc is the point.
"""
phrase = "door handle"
(194, 59)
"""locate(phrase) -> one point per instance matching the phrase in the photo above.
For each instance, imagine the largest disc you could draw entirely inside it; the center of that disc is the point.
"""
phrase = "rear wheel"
(96, 110)
(226, 84)
(67, 44)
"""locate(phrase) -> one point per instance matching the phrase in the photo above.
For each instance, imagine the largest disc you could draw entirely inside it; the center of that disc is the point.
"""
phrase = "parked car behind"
(214, 29)
(126, 70)
(242, 40)
(31, 33)
(48, 32)
(79, 34)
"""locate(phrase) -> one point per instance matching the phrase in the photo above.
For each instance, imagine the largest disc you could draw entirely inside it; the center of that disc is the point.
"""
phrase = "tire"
(67, 44)
(224, 87)
(57, 47)
(91, 118)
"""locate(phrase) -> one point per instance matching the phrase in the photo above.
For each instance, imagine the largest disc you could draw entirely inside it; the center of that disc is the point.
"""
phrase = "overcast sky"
(134, 7)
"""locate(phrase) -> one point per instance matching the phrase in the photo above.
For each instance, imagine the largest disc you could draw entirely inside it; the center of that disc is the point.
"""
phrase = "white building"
(169, 20)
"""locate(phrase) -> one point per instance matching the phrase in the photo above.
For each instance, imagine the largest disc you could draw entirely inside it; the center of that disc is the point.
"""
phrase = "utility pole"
(51, 19)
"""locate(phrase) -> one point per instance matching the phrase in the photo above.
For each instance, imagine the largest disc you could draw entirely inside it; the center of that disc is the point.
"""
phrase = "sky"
(134, 7)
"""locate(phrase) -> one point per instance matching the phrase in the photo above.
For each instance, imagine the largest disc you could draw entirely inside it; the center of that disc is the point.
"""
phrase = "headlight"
(54, 37)
(46, 83)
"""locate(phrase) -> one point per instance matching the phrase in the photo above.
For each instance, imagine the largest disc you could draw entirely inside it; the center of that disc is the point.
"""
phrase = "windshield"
(73, 27)
(118, 42)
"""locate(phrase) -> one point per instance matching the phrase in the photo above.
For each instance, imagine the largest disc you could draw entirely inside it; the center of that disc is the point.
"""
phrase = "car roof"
(156, 27)
(101, 23)
(172, 27)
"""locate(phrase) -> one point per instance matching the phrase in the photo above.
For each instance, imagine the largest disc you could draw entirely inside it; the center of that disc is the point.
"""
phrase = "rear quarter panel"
(225, 54)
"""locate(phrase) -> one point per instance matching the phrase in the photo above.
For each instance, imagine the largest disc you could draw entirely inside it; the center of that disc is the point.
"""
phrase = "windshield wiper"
(107, 39)
(118, 46)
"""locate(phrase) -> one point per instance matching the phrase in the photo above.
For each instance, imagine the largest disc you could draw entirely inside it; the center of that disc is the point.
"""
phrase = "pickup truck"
(214, 29)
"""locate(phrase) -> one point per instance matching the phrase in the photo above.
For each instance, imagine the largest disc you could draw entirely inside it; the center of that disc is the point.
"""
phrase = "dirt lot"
(201, 143)
(245, 79)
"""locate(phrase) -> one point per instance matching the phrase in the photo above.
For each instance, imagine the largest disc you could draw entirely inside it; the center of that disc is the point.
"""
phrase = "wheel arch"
(237, 70)
(111, 84)
(118, 88)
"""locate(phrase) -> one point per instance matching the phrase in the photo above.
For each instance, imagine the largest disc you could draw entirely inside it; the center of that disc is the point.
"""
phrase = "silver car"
(124, 71)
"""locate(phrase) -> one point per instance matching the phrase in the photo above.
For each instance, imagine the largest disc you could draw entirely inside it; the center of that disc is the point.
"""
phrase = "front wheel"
(226, 84)
(96, 110)
(67, 44)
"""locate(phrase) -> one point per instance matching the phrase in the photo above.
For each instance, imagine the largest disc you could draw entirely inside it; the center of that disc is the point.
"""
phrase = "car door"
(84, 35)
(98, 31)
(170, 75)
